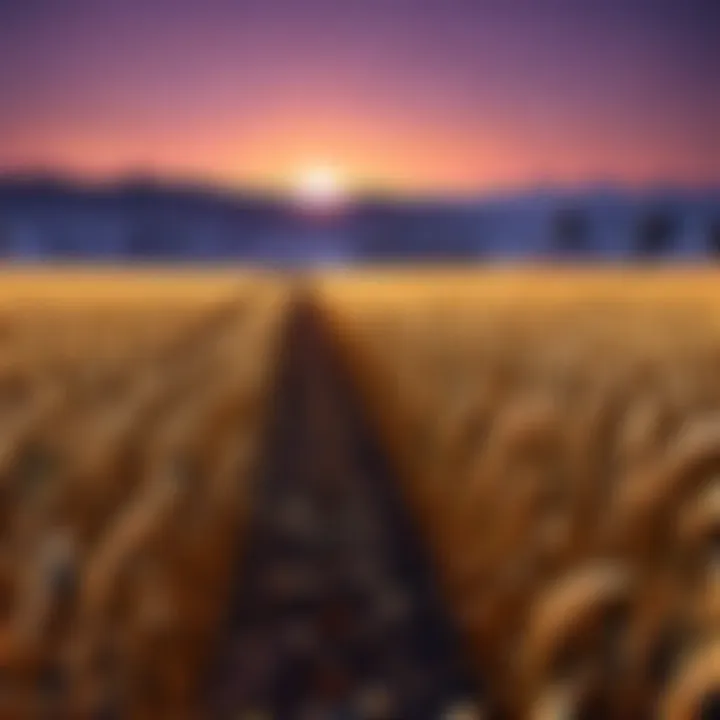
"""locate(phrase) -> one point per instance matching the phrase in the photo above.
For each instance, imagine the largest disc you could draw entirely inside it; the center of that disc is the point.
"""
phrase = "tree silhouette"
(656, 234)
(714, 237)
(4, 240)
(570, 231)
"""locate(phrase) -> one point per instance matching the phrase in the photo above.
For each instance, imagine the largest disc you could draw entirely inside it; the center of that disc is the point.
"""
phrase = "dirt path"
(336, 615)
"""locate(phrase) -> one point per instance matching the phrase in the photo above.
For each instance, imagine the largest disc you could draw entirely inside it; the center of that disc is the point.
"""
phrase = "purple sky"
(453, 95)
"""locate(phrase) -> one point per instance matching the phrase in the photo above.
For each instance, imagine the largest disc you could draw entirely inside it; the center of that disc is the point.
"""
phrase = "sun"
(319, 186)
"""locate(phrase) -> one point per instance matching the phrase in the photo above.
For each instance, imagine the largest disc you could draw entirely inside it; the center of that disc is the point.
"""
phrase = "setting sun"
(320, 186)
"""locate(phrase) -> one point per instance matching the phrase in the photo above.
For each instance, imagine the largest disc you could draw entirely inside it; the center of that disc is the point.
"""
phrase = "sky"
(452, 96)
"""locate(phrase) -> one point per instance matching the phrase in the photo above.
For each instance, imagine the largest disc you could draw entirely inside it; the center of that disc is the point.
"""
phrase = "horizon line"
(216, 186)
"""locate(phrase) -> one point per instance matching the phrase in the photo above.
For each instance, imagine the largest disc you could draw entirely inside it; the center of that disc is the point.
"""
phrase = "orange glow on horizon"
(375, 154)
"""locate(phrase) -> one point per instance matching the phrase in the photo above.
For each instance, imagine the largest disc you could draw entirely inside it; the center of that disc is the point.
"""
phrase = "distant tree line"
(655, 234)
(152, 223)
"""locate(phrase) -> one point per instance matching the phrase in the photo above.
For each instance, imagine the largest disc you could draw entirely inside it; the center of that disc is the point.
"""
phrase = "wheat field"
(555, 434)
